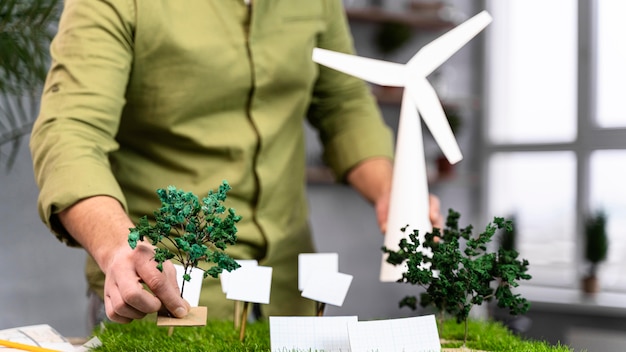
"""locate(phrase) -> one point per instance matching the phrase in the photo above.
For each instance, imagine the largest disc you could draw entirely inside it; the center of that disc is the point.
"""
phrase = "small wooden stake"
(170, 331)
(237, 314)
(244, 319)
(320, 308)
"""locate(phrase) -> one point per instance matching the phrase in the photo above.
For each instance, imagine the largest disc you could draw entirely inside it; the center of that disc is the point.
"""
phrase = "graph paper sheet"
(42, 335)
(418, 334)
(328, 334)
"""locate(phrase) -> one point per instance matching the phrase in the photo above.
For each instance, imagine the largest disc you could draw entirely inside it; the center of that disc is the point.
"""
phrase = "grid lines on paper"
(418, 334)
(328, 334)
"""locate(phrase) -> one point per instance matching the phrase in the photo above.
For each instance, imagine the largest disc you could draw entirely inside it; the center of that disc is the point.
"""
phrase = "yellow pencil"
(23, 347)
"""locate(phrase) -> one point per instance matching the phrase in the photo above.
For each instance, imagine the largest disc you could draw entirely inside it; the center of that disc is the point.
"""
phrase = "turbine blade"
(429, 107)
(375, 71)
(435, 53)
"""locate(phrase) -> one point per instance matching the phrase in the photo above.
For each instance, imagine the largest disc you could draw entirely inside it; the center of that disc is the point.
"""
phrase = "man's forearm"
(372, 178)
(100, 225)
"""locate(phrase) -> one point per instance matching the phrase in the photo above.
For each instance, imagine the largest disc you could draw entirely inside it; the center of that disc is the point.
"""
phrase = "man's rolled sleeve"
(343, 109)
(81, 107)
(353, 146)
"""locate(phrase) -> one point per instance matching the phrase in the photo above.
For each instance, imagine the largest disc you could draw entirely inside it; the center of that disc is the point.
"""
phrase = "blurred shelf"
(388, 95)
(574, 301)
(414, 18)
(393, 96)
(319, 174)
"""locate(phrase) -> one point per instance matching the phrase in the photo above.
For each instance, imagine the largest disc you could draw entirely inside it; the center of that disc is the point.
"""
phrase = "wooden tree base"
(196, 317)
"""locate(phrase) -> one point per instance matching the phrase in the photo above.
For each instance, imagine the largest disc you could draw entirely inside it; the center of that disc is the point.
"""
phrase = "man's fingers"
(131, 292)
(127, 299)
(436, 218)
(382, 209)
(118, 310)
(434, 213)
(164, 286)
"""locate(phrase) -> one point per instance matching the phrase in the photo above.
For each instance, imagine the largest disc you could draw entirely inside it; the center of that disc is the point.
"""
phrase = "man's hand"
(101, 226)
(382, 211)
(436, 218)
(372, 178)
(126, 299)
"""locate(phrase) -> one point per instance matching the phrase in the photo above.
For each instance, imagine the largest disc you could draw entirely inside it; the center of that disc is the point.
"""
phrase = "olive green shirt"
(146, 94)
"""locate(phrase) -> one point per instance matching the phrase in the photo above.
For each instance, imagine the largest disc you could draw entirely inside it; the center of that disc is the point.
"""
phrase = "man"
(145, 94)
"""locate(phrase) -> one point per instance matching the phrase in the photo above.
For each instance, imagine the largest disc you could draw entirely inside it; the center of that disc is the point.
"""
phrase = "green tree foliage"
(26, 29)
(457, 269)
(199, 230)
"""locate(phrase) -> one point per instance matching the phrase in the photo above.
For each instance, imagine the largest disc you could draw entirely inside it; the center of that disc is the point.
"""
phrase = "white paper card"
(225, 275)
(192, 288)
(309, 263)
(90, 345)
(328, 287)
(250, 284)
(418, 334)
(328, 334)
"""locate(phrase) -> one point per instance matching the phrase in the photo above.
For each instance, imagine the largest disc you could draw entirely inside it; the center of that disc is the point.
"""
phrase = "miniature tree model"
(463, 276)
(508, 241)
(200, 231)
(596, 248)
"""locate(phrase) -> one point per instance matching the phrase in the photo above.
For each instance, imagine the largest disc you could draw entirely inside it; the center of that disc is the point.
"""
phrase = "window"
(554, 134)
(538, 190)
(609, 64)
(608, 192)
(532, 78)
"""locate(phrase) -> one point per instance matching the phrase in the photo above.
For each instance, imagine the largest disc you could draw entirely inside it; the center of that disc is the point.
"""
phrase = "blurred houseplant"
(390, 36)
(596, 249)
(26, 29)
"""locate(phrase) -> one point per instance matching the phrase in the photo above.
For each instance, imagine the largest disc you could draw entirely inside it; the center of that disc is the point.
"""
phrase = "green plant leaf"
(26, 29)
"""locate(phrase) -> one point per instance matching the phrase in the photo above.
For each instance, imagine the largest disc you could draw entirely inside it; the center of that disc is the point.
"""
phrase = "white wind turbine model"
(409, 202)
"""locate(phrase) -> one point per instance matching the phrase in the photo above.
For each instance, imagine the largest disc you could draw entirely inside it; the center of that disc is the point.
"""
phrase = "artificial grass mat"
(144, 335)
